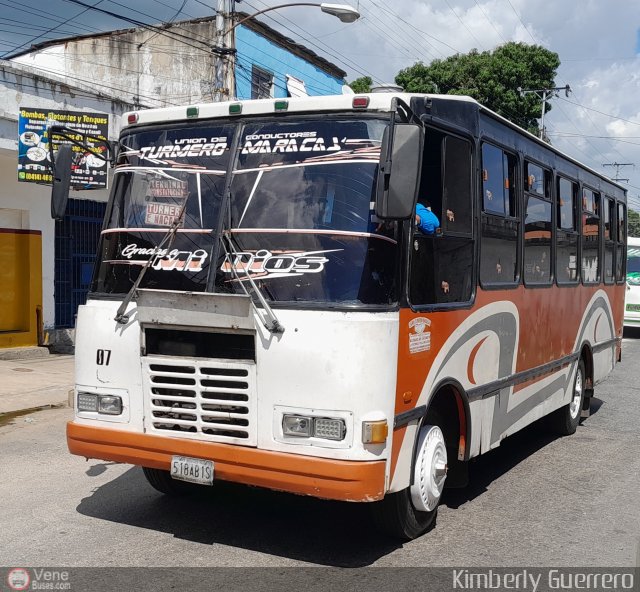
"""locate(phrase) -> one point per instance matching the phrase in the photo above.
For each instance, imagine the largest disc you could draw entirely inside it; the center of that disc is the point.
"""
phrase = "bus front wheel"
(163, 482)
(411, 512)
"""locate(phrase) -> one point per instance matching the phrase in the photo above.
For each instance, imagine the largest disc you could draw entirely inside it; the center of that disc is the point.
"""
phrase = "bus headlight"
(104, 404)
(297, 425)
(302, 426)
(109, 404)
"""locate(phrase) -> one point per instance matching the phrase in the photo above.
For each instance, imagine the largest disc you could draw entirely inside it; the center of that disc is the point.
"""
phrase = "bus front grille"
(212, 400)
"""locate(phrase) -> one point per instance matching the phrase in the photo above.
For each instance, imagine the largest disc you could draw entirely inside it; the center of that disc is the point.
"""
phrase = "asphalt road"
(535, 501)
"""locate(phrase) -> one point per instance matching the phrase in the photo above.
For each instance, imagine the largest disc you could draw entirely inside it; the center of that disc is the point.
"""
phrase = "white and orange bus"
(265, 311)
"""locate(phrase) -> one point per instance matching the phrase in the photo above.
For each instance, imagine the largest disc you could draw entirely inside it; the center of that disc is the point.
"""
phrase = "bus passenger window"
(500, 226)
(567, 233)
(442, 265)
(495, 182)
(609, 219)
(537, 241)
(621, 257)
(441, 270)
(590, 236)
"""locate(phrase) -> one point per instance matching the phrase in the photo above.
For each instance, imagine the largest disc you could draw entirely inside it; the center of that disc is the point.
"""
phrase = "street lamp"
(344, 12)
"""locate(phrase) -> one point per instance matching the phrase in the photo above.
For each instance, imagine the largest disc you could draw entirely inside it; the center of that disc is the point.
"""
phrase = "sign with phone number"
(34, 161)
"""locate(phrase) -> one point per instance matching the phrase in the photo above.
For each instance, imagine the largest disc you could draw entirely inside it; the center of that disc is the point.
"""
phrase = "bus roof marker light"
(360, 102)
(132, 118)
(281, 105)
(192, 112)
(235, 108)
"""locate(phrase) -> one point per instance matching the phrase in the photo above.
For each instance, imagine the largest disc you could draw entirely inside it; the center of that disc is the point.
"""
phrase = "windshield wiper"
(267, 316)
(123, 318)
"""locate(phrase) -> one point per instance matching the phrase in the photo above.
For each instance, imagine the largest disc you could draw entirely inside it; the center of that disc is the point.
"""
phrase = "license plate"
(633, 307)
(194, 470)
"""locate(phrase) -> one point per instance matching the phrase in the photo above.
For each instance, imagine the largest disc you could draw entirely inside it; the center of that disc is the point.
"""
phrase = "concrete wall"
(138, 65)
(152, 70)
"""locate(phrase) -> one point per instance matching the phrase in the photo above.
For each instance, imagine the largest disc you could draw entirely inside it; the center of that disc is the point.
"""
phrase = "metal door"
(76, 242)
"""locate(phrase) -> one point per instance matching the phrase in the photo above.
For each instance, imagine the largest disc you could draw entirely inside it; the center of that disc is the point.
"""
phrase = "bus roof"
(377, 102)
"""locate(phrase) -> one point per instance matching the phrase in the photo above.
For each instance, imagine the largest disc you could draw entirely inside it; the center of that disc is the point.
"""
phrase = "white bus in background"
(632, 298)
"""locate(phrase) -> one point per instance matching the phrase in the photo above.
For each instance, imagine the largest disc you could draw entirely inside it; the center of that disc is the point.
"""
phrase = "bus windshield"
(300, 221)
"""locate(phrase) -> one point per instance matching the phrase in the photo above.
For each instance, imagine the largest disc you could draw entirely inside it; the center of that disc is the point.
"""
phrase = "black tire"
(565, 420)
(163, 482)
(396, 516)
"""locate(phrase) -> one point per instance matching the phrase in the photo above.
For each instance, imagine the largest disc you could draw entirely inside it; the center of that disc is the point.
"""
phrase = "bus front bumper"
(306, 475)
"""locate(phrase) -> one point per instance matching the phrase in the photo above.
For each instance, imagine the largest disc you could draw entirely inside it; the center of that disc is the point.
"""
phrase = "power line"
(29, 43)
(185, 39)
(408, 36)
(601, 112)
(490, 21)
(421, 31)
(522, 23)
(618, 166)
(545, 94)
(464, 24)
(326, 49)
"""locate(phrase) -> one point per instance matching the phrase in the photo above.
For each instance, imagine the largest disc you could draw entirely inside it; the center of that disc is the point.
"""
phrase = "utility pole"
(223, 77)
(545, 94)
(617, 166)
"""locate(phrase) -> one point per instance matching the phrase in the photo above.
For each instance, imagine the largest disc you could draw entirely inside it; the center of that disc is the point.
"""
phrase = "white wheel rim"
(430, 470)
(574, 405)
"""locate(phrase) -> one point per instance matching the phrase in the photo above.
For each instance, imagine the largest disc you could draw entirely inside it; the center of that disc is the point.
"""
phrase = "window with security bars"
(261, 83)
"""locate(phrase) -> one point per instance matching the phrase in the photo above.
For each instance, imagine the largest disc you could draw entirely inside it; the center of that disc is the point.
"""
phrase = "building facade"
(46, 266)
(43, 273)
(179, 65)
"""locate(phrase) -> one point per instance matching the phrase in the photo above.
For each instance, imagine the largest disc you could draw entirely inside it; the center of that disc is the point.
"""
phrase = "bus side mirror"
(61, 182)
(399, 171)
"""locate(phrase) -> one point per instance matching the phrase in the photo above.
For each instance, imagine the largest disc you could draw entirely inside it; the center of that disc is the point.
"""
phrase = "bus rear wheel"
(163, 482)
(565, 420)
(409, 513)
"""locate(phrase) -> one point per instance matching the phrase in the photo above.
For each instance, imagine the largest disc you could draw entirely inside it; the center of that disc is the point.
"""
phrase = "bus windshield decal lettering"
(166, 260)
(181, 150)
(274, 143)
(267, 264)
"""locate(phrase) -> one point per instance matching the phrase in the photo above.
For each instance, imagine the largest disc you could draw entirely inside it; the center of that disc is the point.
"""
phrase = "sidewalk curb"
(23, 353)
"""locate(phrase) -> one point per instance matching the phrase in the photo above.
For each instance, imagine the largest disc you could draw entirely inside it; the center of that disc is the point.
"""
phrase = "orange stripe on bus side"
(549, 324)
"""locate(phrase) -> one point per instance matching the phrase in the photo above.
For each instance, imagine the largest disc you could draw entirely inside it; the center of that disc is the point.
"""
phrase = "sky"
(598, 43)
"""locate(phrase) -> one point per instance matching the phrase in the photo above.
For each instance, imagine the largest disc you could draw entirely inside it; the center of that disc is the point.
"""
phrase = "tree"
(492, 78)
(633, 223)
(361, 85)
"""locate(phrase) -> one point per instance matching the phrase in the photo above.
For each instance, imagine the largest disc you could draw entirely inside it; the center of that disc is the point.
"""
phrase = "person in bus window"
(426, 220)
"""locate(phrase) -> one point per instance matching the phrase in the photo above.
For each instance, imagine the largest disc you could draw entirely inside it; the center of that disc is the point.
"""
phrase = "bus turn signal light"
(374, 432)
